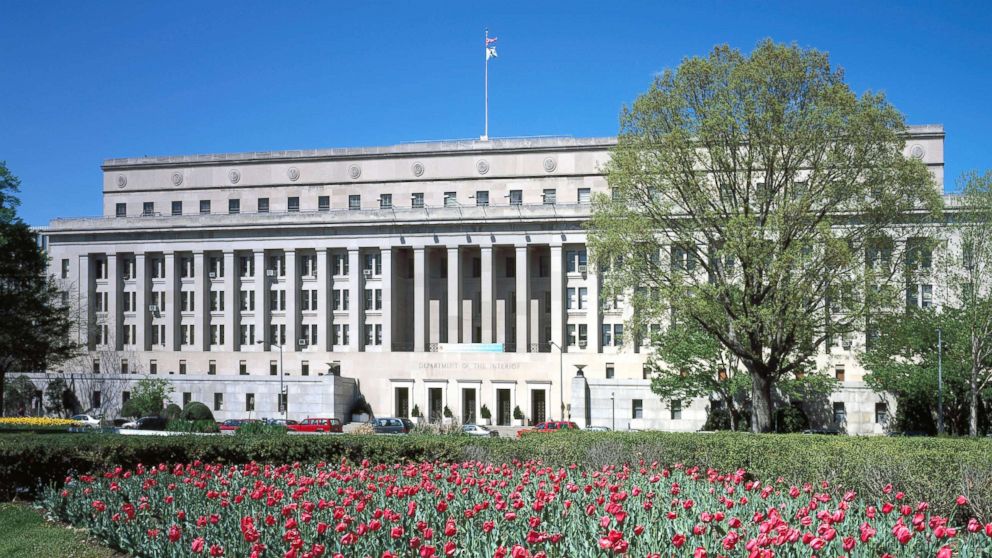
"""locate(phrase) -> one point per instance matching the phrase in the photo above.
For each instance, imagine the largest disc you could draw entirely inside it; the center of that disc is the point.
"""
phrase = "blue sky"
(87, 81)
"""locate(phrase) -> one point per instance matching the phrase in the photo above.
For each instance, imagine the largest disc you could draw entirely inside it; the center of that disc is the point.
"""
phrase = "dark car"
(408, 424)
(150, 423)
(389, 426)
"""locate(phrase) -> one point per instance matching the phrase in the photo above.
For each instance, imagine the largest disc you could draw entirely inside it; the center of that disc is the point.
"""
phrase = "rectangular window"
(323, 203)
(340, 265)
(121, 210)
(212, 367)
(839, 373)
(607, 338)
(247, 334)
(516, 197)
(153, 366)
(570, 335)
(263, 205)
(148, 209)
(204, 207)
(482, 198)
(585, 196)
(450, 199)
(881, 413)
(218, 401)
(249, 402)
(583, 335)
(840, 413)
(618, 334)
(97, 401)
(550, 196)
(354, 202)
(637, 408)
(187, 398)
(610, 371)
(385, 201)
(676, 410)
(369, 335)
(247, 266)
(217, 334)
(125, 366)
(65, 268)
(293, 204)
(182, 367)
(177, 208)
(233, 206)
(417, 200)
(243, 367)
(96, 366)
(273, 367)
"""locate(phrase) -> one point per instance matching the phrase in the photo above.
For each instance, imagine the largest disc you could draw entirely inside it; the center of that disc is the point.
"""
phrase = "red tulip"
(197, 546)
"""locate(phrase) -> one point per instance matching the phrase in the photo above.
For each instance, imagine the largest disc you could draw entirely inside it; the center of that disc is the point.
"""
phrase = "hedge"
(929, 469)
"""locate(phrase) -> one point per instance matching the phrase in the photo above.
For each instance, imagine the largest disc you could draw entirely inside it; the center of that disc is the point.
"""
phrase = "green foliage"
(517, 413)
(484, 412)
(720, 419)
(59, 399)
(19, 394)
(260, 429)
(130, 409)
(172, 411)
(149, 396)
(790, 419)
(361, 406)
(416, 412)
(24, 532)
(730, 202)
(10, 186)
(447, 412)
(193, 426)
(195, 410)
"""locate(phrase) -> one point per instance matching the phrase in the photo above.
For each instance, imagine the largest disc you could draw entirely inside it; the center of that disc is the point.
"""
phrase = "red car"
(317, 425)
(231, 425)
(550, 426)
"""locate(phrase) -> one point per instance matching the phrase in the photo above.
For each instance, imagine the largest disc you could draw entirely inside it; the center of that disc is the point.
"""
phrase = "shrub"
(130, 409)
(197, 426)
(447, 412)
(517, 413)
(484, 412)
(172, 411)
(790, 419)
(195, 410)
(260, 429)
(361, 406)
(416, 412)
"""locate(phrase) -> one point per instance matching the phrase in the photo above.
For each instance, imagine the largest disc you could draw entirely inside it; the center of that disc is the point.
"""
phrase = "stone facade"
(393, 267)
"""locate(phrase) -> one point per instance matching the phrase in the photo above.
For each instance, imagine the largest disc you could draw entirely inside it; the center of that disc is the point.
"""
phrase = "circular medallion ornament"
(354, 171)
(418, 169)
(550, 165)
(234, 175)
(917, 151)
(482, 166)
(293, 173)
(121, 181)
(177, 178)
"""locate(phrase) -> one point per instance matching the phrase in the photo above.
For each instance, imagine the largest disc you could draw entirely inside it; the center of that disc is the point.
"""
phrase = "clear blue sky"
(87, 81)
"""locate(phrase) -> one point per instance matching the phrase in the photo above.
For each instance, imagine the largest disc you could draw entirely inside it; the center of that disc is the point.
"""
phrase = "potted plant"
(449, 418)
(418, 417)
(518, 416)
(485, 416)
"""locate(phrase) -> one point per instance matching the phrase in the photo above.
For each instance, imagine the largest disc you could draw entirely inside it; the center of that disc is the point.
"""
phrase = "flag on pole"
(490, 50)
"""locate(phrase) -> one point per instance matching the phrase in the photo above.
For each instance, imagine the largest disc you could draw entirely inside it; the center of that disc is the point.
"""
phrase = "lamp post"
(561, 379)
(940, 384)
(282, 393)
(578, 372)
(613, 403)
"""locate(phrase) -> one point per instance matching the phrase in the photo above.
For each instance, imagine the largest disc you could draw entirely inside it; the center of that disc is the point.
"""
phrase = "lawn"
(24, 532)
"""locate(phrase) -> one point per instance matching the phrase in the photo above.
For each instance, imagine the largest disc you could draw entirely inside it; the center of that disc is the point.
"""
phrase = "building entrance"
(503, 414)
(538, 406)
(435, 404)
(402, 399)
(468, 406)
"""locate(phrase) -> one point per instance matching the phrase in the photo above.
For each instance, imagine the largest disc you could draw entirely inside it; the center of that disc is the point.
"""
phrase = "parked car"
(281, 422)
(230, 425)
(597, 429)
(316, 425)
(548, 427)
(87, 420)
(389, 426)
(408, 424)
(150, 423)
(476, 430)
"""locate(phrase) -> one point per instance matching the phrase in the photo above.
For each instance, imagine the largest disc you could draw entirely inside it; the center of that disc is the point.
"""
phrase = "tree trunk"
(761, 398)
(731, 411)
(973, 384)
(3, 387)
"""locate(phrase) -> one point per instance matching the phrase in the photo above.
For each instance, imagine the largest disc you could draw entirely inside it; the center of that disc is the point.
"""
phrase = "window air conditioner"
(270, 273)
(301, 342)
(153, 308)
(583, 344)
(367, 272)
(212, 275)
(582, 269)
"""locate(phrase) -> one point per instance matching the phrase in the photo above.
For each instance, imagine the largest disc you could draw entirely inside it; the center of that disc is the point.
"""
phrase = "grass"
(24, 532)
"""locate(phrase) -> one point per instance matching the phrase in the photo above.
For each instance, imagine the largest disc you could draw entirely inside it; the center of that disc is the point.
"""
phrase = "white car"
(130, 424)
(87, 420)
(476, 430)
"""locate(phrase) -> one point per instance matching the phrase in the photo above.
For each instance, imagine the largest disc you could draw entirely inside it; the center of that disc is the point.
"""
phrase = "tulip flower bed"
(515, 510)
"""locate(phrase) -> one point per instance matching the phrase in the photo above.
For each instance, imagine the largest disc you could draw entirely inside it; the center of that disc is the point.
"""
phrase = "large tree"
(748, 190)
(35, 321)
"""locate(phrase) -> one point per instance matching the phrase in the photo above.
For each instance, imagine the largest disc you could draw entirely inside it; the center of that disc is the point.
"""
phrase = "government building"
(437, 275)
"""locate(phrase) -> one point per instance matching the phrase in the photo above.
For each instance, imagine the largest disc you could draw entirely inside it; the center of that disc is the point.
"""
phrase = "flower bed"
(515, 510)
(38, 422)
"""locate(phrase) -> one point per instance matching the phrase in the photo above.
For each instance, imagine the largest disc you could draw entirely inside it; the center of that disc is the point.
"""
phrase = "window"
(881, 413)
(385, 201)
(570, 335)
(308, 300)
(278, 265)
(450, 199)
(204, 207)
(609, 370)
(215, 267)
(293, 204)
(354, 202)
(676, 410)
(308, 266)
(101, 268)
(919, 255)
(96, 366)
(645, 372)
(840, 413)
(233, 206)
(125, 396)
(218, 401)
(246, 266)
(186, 270)
(263, 205)
(182, 366)
(417, 200)
(482, 198)
(323, 203)
(340, 334)
(188, 333)
(618, 335)
(121, 210)
(153, 366)
(607, 336)
(273, 367)
(585, 196)
(369, 335)
(550, 197)
(340, 264)
(187, 398)
(637, 408)
(247, 334)
(516, 197)
(186, 301)
(575, 260)
(212, 367)
(277, 300)
(919, 296)
(305, 366)
(247, 301)
(65, 269)
(683, 258)
(583, 335)
(249, 402)
(158, 268)
(839, 373)
(217, 334)
(148, 209)
(177, 208)
(243, 367)
(97, 399)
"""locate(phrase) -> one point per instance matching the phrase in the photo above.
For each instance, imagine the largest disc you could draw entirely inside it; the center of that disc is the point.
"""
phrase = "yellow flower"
(37, 421)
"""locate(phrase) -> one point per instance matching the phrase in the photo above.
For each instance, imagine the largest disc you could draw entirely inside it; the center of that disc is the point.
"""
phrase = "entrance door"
(537, 406)
(435, 404)
(468, 406)
(402, 402)
(503, 407)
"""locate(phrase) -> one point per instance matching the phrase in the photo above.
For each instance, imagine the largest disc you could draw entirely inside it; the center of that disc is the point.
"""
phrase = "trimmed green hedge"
(930, 469)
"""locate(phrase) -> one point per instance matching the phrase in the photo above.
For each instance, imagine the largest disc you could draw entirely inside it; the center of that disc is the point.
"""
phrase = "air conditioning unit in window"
(583, 344)
(301, 342)
(270, 273)
(153, 308)
(583, 269)
(367, 272)
(212, 275)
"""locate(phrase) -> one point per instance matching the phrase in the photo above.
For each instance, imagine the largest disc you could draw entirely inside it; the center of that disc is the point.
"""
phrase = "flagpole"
(485, 135)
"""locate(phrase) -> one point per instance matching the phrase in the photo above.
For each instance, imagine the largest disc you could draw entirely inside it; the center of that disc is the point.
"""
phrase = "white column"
(115, 318)
(323, 301)
(357, 300)
(523, 296)
(171, 310)
(232, 306)
(419, 298)
(557, 283)
(84, 295)
(142, 339)
(454, 293)
(592, 311)
(201, 307)
(261, 302)
(387, 298)
(486, 293)
(292, 286)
